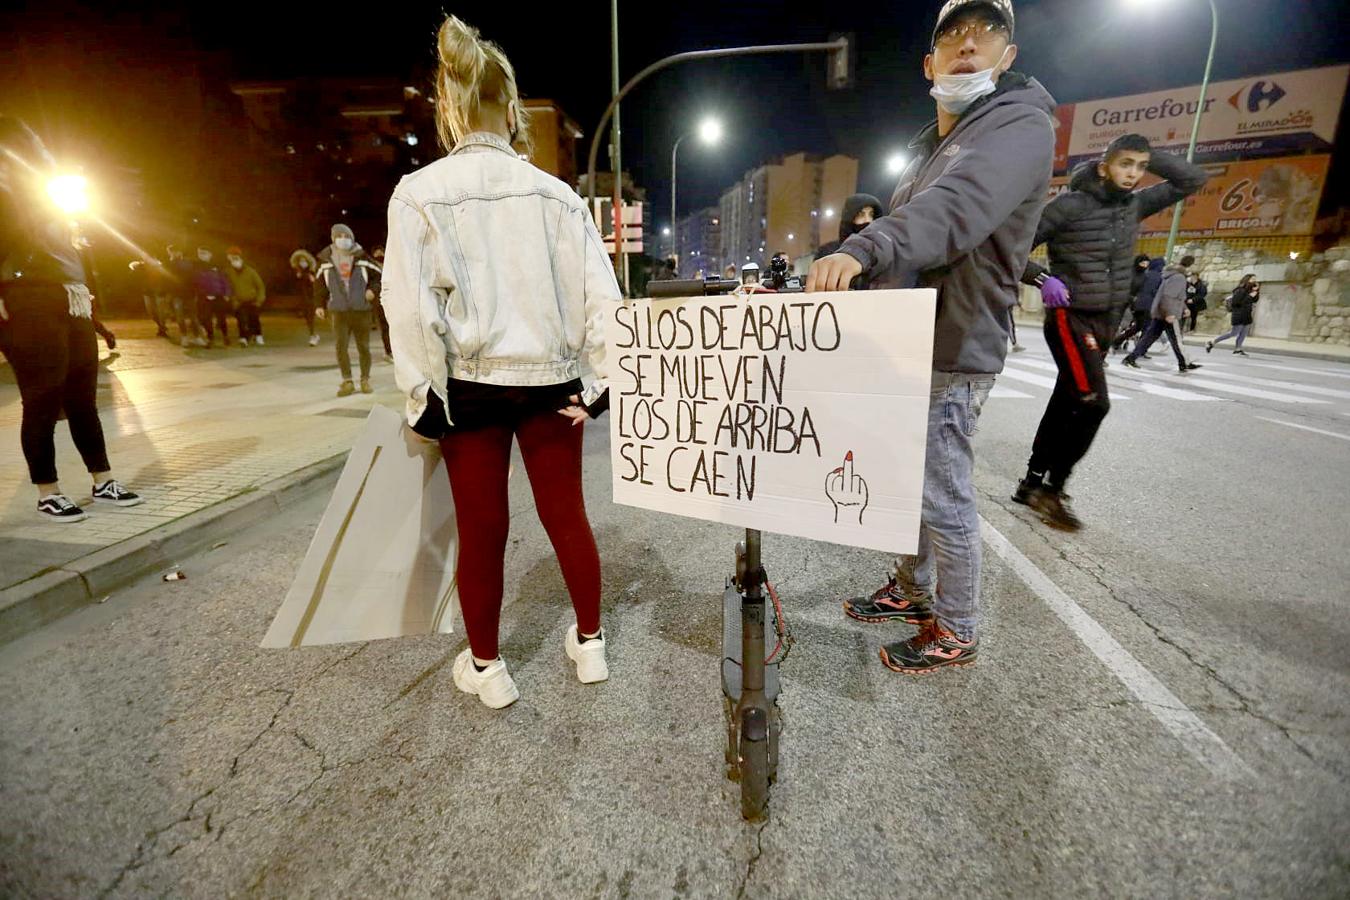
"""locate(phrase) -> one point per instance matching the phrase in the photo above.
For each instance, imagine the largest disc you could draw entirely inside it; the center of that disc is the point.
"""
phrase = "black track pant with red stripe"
(1078, 341)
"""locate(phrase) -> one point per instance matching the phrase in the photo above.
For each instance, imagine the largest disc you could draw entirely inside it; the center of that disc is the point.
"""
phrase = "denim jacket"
(494, 272)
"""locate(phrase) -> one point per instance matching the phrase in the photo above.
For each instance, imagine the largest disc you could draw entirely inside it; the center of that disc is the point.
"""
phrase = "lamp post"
(710, 132)
(1199, 111)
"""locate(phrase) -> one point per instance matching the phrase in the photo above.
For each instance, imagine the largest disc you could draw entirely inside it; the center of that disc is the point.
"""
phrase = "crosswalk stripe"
(1254, 393)
(1008, 393)
(1029, 378)
(1299, 370)
(1344, 437)
(1281, 385)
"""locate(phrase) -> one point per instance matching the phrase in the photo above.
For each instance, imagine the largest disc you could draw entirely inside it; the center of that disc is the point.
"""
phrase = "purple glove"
(1054, 293)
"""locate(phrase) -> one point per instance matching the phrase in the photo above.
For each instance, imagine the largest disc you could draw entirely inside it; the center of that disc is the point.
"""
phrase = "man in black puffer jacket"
(1091, 232)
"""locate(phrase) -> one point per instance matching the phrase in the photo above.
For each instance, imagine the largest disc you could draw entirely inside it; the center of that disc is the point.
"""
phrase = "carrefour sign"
(1266, 115)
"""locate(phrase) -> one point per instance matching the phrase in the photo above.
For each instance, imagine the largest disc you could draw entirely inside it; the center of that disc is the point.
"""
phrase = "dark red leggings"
(478, 461)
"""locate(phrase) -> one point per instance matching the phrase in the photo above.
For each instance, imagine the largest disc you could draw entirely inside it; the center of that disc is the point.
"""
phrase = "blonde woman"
(495, 283)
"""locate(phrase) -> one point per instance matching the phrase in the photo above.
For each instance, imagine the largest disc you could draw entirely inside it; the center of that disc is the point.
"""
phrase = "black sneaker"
(111, 491)
(58, 508)
(889, 604)
(1023, 493)
(1188, 367)
(1209, 346)
(1239, 352)
(1130, 363)
(933, 648)
(1054, 509)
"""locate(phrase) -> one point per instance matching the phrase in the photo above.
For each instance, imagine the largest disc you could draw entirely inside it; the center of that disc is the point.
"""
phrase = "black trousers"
(1138, 325)
(1156, 329)
(1079, 402)
(384, 327)
(55, 360)
(250, 325)
(212, 311)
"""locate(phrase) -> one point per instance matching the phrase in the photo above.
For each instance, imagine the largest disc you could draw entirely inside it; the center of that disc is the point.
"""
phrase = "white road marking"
(1253, 393)
(1314, 389)
(1029, 378)
(1344, 437)
(1297, 369)
(1008, 393)
(1175, 716)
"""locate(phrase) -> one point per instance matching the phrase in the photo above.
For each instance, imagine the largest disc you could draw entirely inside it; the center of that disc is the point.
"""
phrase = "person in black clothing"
(1091, 232)
(46, 315)
(860, 210)
(1142, 310)
(1197, 293)
(1240, 303)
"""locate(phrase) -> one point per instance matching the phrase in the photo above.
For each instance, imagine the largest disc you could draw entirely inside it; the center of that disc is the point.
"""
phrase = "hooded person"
(249, 293)
(303, 269)
(1169, 306)
(860, 210)
(213, 296)
(1090, 233)
(962, 220)
(346, 286)
(1142, 311)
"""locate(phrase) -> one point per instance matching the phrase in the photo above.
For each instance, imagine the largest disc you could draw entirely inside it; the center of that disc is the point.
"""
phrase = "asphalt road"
(1160, 706)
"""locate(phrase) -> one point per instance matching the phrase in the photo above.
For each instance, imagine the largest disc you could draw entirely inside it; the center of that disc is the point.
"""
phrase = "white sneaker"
(259, 341)
(589, 657)
(243, 342)
(314, 340)
(493, 685)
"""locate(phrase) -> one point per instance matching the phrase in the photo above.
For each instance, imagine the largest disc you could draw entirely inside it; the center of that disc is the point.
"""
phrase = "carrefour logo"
(1259, 97)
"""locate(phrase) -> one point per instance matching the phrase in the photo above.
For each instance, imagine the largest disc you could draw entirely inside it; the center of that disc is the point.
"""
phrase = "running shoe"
(1054, 509)
(589, 655)
(493, 685)
(890, 604)
(933, 648)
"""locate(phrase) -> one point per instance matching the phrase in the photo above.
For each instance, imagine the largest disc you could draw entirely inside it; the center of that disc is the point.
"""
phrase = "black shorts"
(475, 405)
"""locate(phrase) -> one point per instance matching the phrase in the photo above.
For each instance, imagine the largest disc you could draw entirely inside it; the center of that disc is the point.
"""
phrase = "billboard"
(1248, 198)
(1265, 115)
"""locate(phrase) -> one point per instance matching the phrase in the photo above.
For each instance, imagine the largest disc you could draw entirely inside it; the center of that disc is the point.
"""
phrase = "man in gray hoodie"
(962, 221)
(346, 285)
(1168, 307)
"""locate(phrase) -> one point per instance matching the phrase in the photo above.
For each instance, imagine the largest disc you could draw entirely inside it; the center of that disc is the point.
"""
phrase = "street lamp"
(710, 133)
(895, 164)
(1199, 110)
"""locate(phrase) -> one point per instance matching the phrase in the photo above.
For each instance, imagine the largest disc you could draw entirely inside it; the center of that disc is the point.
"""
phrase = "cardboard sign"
(800, 414)
(382, 562)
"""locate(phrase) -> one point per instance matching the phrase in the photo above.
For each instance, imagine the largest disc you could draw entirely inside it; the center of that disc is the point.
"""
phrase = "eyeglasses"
(984, 31)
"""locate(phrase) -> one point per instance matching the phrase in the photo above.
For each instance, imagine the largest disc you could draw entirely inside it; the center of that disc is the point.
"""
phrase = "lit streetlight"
(665, 232)
(1199, 110)
(710, 133)
(895, 163)
(829, 213)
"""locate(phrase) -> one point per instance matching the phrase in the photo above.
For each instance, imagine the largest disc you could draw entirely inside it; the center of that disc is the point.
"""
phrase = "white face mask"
(236, 262)
(343, 243)
(955, 93)
(204, 257)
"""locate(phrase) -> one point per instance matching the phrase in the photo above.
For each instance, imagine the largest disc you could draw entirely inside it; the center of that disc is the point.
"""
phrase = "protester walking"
(1168, 309)
(148, 281)
(1091, 232)
(1241, 305)
(496, 286)
(249, 293)
(962, 221)
(182, 277)
(345, 286)
(1197, 298)
(213, 297)
(303, 267)
(1143, 304)
(46, 313)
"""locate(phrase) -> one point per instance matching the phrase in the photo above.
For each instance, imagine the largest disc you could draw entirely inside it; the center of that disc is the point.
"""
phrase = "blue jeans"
(1237, 331)
(947, 566)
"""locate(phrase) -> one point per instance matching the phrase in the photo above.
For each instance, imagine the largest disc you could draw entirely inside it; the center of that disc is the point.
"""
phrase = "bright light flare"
(896, 163)
(710, 131)
(70, 193)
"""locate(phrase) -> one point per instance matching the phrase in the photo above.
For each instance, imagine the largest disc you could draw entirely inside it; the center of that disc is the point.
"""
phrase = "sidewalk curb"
(43, 599)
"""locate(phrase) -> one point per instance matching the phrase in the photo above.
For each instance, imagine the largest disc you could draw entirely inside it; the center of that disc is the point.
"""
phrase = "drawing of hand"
(846, 490)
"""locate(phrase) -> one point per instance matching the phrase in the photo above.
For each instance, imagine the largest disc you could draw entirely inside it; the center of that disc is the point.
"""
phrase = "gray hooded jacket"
(963, 218)
(1171, 299)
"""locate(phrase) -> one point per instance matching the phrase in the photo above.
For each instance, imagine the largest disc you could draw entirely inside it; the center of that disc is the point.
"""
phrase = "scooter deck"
(731, 648)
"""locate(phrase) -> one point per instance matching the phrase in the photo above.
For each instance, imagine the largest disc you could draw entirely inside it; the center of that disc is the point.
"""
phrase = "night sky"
(1080, 49)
